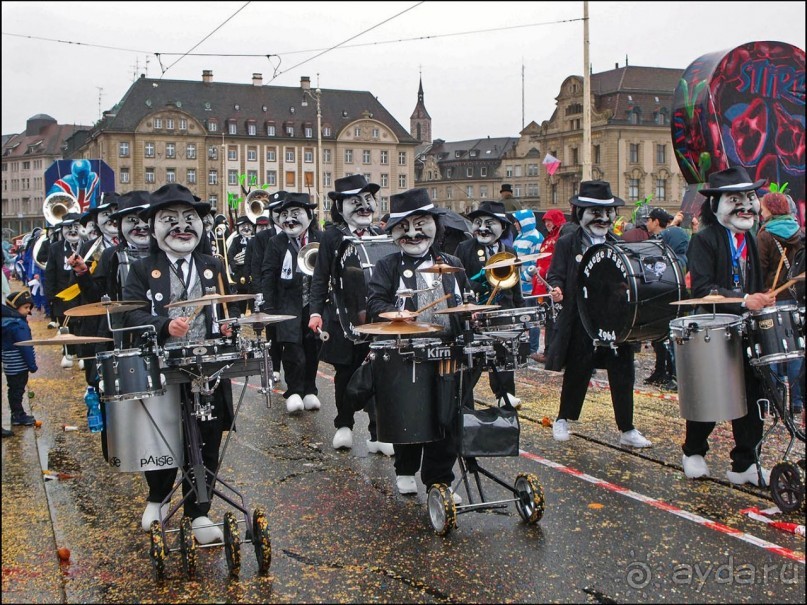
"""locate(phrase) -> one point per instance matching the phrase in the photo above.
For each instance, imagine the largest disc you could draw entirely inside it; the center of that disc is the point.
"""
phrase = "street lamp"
(318, 181)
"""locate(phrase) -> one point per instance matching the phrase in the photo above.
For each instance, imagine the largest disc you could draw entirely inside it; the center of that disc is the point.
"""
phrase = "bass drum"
(625, 290)
(350, 275)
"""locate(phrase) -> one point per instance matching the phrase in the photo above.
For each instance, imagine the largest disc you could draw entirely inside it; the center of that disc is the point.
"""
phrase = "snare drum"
(775, 334)
(709, 366)
(133, 442)
(128, 374)
(183, 359)
(504, 320)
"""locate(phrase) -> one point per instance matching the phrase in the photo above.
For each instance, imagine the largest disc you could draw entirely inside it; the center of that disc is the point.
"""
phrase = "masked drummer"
(286, 291)
(236, 259)
(489, 225)
(176, 271)
(594, 211)
(723, 256)
(415, 224)
(352, 210)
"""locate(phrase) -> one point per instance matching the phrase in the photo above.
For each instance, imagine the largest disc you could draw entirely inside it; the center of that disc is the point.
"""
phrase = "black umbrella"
(453, 220)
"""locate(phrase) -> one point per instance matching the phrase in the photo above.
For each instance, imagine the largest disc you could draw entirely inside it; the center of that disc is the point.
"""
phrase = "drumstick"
(778, 269)
(493, 295)
(431, 304)
(784, 286)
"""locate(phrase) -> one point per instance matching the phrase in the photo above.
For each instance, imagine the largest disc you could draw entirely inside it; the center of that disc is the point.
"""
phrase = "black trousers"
(16, 389)
(300, 363)
(346, 406)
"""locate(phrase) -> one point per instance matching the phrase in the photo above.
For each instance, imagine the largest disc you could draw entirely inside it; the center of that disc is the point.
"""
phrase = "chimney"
(616, 65)
(305, 83)
(257, 79)
(207, 76)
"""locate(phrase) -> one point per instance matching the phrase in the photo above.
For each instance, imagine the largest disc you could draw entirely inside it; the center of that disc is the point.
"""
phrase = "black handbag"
(492, 431)
(360, 387)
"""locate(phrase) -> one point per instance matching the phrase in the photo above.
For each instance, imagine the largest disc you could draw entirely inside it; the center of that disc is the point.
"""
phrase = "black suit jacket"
(256, 247)
(57, 278)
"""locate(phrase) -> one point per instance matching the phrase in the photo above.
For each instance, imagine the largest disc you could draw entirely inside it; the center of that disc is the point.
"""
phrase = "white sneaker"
(205, 532)
(67, 361)
(152, 513)
(406, 484)
(749, 475)
(694, 466)
(560, 430)
(294, 404)
(53, 324)
(634, 438)
(380, 447)
(514, 401)
(311, 402)
(343, 438)
(276, 376)
(81, 364)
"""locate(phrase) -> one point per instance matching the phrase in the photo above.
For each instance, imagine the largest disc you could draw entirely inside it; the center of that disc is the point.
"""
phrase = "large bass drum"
(352, 269)
(625, 290)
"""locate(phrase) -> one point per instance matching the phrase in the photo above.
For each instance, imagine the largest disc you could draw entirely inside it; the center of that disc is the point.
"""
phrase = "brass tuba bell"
(57, 204)
(307, 258)
(255, 205)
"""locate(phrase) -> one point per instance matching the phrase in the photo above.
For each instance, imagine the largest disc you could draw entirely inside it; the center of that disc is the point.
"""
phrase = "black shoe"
(654, 378)
(669, 385)
(22, 420)
(7, 432)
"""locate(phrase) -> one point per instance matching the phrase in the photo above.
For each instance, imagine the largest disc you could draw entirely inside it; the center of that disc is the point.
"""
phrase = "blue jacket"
(16, 360)
(528, 242)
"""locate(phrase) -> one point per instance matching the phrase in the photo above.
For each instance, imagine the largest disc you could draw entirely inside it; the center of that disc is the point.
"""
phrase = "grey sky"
(472, 82)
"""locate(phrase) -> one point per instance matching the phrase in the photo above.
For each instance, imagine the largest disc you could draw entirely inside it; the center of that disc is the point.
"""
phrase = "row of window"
(26, 165)
(169, 123)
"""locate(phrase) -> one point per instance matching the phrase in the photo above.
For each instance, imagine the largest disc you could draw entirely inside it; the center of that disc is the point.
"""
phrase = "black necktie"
(180, 274)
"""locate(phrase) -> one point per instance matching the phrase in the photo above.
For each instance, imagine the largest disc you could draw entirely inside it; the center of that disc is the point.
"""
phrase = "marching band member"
(175, 271)
(236, 259)
(723, 256)
(286, 292)
(594, 210)
(414, 224)
(490, 223)
(352, 211)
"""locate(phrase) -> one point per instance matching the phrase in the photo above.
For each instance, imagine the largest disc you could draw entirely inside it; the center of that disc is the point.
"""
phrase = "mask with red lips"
(177, 229)
(294, 221)
(597, 221)
(487, 230)
(135, 230)
(358, 210)
(738, 210)
(415, 234)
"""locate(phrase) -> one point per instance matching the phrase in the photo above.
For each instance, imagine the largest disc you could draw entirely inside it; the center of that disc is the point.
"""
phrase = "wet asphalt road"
(619, 526)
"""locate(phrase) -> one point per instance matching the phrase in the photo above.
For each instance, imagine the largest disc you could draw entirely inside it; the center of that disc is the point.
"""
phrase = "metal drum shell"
(504, 320)
(709, 366)
(775, 335)
(128, 374)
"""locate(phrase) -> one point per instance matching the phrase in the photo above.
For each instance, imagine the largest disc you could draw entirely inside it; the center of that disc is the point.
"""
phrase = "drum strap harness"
(736, 260)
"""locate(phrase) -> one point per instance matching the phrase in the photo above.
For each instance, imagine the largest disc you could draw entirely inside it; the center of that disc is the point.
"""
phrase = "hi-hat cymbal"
(441, 268)
(209, 299)
(384, 328)
(466, 308)
(104, 307)
(63, 339)
(508, 262)
(709, 299)
(258, 318)
(532, 257)
(402, 315)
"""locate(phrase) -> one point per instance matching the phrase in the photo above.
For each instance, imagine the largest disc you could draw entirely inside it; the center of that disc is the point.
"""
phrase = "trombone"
(500, 273)
(222, 243)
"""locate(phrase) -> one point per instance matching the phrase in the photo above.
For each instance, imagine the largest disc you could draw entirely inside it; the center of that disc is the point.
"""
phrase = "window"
(384, 157)
(212, 125)
(348, 156)
(213, 177)
(661, 118)
(252, 178)
(213, 199)
(289, 155)
(308, 179)
(553, 194)
(469, 191)
(232, 177)
(124, 175)
(170, 175)
(271, 154)
(232, 128)
(483, 191)
(596, 154)
(150, 176)
(169, 124)
(449, 193)
(252, 129)
(149, 150)
(469, 172)
(232, 153)
(170, 150)
(271, 177)
(190, 151)
(365, 156)
(309, 132)
(368, 176)
(326, 156)
(401, 158)
(402, 181)
(308, 156)
(290, 130)
(252, 154)
(634, 153)
(532, 189)
(661, 154)
(483, 171)
(376, 133)
(183, 124)
(532, 169)
(326, 131)
(633, 117)
(516, 190)
(290, 177)
(661, 189)
(517, 170)
(384, 180)
(575, 156)
(509, 171)
(158, 122)
(191, 176)
(449, 173)
(270, 130)
(434, 193)
(357, 131)
(213, 152)
(633, 189)
(327, 179)
(123, 150)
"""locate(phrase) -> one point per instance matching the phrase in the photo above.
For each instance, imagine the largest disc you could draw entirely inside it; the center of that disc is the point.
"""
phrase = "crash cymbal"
(398, 315)
(258, 318)
(709, 299)
(466, 308)
(508, 262)
(104, 307)
(532, 257)
(386, 328)
(441, 268)
(209, 299)
(63, 339)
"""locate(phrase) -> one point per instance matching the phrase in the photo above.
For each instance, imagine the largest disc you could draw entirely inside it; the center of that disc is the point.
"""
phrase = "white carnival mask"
(294, 221)
(597, 221)
(487, 230)
(107, 225)
(135, 230)
(245, 229)
(71, 233)
(415, 234)
(177, 229)
(737, 210)
(358, 210)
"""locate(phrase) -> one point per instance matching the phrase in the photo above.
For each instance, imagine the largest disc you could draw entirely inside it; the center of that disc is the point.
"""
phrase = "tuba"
(307, 258)
(255, 205)
(35, 252)
(57, 204)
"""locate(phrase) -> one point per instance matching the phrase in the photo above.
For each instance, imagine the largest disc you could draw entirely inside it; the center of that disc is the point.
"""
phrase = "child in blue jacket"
(17, 361)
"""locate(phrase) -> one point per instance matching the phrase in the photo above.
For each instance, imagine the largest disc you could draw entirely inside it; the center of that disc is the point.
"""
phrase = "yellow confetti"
(595, 506)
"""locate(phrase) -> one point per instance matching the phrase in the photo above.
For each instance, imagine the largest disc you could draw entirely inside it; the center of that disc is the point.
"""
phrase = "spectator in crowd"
(554, 221)
(528, 242)
(18, 361)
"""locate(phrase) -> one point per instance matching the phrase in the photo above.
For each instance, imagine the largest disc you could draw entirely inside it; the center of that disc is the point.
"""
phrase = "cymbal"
(508, 262)
(398, 315)
(532, 257)
(63, 339)
(466, 308)
(258, 318)
(209, 299)
(385, 328)
(441, 268)
(104, 307)
(709, 299)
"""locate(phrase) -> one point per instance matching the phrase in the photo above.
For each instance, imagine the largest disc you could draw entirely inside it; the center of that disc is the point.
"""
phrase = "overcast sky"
(56, 55)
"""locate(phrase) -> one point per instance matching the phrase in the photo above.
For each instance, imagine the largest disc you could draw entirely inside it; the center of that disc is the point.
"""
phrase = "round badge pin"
(408, 273)
(208, 274)
(480, 253)
(578, 258)
(158, 297)
(156, 274)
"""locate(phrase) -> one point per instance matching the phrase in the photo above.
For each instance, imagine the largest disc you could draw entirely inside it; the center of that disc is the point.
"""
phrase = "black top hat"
(71, 218)
(276, 199)
(174, 193)
(108, 198)
(731, 179)
(490, 208)
(243, 220)
(301, 200)
(413, 201)
(596, 194)
(134, 201)
(506, 187)
(352, 185)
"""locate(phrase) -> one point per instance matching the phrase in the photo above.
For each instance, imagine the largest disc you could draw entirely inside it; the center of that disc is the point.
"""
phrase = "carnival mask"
(597, 221)
(86, 232)
(107, 225)
(415, 234)
(738, 210)
(177, 229)
(358, 210)
(207, 220)
(71, 234)
(245, 229)
(135, 230)
(294, 221)
(487, 230)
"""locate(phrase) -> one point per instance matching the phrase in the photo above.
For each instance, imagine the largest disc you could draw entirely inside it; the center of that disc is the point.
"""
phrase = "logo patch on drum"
(765, 324)
(199, 350)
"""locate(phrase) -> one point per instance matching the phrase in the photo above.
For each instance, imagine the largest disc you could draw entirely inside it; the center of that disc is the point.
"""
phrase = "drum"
(182, 360)
(775, 334)
(625, 290)
(709, 366)
(133, 442)
(128, 374)
(350, 274)
(507, 320)
(405, 381)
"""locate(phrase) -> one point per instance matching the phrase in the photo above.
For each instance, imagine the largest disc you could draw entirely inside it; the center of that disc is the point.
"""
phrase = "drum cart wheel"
(787, 486)
(530, 503)
(442, 510)
(261, 540)
(187, 547)
(157, 551)
(232, 544)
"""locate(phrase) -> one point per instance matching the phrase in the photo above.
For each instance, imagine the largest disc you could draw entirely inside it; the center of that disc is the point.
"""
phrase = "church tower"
(420, 123)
